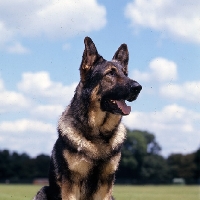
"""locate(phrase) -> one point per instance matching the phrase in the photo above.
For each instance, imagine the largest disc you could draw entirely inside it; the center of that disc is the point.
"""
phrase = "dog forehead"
(113, 64)
(107, 66)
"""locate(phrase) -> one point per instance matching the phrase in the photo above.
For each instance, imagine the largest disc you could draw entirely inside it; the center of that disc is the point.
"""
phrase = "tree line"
(141, 163)
(19, 168)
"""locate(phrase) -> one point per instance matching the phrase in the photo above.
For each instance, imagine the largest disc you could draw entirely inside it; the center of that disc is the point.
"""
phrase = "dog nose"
(135, 88)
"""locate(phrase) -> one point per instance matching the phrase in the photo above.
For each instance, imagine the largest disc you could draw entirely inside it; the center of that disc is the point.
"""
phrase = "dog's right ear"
(122, 56)
(90, 56)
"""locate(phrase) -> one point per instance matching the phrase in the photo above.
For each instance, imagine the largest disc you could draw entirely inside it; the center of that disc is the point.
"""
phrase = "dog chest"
(77, 163)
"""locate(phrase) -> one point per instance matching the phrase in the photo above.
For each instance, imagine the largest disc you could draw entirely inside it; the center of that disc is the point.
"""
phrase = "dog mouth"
(116, 106)
(115, 101)
(121, 104)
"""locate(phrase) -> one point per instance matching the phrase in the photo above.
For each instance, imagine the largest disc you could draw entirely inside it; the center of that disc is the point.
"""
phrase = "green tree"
(197, 162)
(137, 145)
(41, 163)
(21, 168)
(183, 166)
(155, 170)
(133, 150)
(5, 165)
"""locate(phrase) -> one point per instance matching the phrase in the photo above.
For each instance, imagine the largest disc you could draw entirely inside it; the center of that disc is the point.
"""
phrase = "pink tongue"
(124, 108)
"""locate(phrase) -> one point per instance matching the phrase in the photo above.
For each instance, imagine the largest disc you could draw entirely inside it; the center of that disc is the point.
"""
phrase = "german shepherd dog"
(86, 154)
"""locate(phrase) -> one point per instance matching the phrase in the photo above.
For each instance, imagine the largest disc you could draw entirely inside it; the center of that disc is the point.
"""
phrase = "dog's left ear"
(89, 58)
(122, 56)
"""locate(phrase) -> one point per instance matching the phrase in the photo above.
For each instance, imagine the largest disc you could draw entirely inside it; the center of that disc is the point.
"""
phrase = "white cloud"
(163, 70)
(179, 19)
(160, 69)
(49, 18)
(40, 85)
(1, 85)
(11, 101)
(189, 91)
(17, 48)
(25, 125)
(70, 17)
(30, 133)
(141, 76)
(6, 34)
(175, 127)
(47, 111)
(27, 135)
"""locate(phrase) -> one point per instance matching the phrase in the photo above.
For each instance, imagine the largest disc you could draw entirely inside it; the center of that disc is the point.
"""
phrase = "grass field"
(26, 192)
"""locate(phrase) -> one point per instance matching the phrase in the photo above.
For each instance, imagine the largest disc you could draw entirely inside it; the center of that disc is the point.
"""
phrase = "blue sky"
(41, 47)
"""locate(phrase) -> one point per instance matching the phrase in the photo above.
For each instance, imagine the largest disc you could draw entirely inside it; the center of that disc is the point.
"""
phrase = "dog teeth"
(113, 101)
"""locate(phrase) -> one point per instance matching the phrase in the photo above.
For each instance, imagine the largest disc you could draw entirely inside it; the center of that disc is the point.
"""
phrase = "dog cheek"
(94, 94)
(108, 85)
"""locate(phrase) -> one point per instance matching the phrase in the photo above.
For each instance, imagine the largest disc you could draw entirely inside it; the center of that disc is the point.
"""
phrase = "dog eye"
(112, 72)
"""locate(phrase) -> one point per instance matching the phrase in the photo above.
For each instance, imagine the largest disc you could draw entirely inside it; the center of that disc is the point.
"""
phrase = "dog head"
(108, 81)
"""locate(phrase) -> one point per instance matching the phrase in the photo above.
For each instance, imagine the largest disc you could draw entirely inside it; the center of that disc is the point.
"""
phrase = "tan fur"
(69, 192)
(95, 149)
(110, 123)
(111, 167)
(96, 116)
(86, 67)
(78, 164)
(104, 193)
(110, 67)
(80, 167)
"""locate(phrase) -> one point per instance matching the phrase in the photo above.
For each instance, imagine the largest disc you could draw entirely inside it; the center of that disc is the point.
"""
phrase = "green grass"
(157, 192)
(27, 192)
(17, 192)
